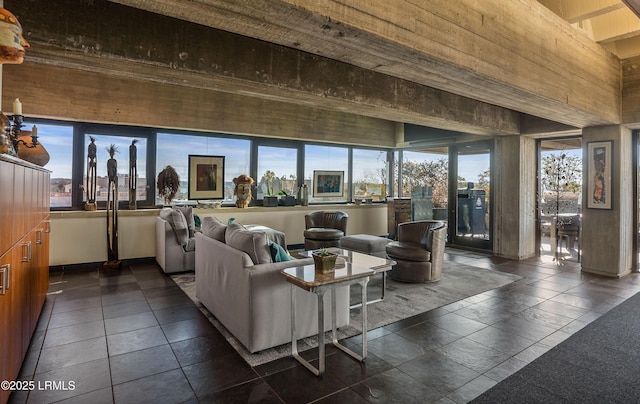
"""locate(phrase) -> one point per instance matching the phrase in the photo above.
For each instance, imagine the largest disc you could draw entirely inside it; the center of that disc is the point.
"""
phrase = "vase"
(287, 200)
(270, 201)
(324, 263)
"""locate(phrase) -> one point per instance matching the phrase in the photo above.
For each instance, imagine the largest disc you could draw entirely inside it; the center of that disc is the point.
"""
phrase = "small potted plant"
(269, 199)
(324, 260)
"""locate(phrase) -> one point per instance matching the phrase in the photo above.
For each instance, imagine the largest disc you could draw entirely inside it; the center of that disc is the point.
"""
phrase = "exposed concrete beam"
(580, 10)
(189, 55)
(540, 66)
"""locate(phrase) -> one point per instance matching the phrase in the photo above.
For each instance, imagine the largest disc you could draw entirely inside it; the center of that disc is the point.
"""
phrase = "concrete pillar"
(607, 234)
(514, 225)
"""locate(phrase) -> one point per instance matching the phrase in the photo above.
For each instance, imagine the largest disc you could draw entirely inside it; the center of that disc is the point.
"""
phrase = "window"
(370, 173)
(174, 149)
(425, 177)
(58, 141)
(277, 171)
(326, 158)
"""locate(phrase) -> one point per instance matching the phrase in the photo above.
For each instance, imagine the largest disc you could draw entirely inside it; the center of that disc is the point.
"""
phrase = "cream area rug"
(402, 300)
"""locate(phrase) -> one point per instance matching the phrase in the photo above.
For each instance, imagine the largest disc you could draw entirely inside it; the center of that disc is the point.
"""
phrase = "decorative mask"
(12, 44)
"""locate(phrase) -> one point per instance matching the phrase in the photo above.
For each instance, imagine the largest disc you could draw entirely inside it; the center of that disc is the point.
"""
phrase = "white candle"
(17, 107)
(34, 131)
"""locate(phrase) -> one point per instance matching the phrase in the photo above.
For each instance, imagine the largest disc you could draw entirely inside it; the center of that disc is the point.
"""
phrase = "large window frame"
(79, 157)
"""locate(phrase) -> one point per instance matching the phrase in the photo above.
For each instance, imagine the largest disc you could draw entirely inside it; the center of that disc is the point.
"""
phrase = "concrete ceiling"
(614, 24)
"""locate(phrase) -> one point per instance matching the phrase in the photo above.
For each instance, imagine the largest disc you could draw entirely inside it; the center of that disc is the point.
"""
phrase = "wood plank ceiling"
(614, 24)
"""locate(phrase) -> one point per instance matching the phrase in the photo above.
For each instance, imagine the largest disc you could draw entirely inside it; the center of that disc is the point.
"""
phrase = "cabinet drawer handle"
(48, 227)
(5, 277)
(39, 234)
(26, 252)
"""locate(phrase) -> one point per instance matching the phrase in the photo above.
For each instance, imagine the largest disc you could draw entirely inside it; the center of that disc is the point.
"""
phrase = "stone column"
(607, 234)
(514, 224)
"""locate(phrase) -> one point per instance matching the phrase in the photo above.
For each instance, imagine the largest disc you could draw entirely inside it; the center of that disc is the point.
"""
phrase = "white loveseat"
(239, 284)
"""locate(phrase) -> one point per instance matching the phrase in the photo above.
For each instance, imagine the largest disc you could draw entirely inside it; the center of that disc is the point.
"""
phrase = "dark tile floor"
(132, 335)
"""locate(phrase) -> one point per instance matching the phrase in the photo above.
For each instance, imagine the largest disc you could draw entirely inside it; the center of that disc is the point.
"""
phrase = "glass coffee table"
(353, 270)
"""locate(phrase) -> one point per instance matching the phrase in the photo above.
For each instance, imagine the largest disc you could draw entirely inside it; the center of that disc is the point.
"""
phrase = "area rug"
(402, 300)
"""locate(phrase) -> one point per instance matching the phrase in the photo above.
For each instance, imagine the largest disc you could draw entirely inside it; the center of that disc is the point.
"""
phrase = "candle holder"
(13, 133)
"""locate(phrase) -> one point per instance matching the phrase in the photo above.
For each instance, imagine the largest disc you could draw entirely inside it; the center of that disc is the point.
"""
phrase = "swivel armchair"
(419, 251)
(324, 229)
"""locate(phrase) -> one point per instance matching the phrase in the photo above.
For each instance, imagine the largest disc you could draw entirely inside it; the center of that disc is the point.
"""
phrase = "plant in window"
(168, 184)
(268, 178)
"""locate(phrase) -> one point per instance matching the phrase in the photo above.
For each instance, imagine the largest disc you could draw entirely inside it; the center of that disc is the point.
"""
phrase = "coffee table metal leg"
(321, 343)
(381, 298)
(294, 338)
(363, 286)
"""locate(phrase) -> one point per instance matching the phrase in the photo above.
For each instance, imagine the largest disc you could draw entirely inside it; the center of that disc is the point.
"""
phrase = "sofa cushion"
(278, 254)
(178, 223)
(213, 228)
(187, 211)
(254, 243)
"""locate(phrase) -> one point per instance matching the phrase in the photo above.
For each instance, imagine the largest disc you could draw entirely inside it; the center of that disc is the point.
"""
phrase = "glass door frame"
(465, 242)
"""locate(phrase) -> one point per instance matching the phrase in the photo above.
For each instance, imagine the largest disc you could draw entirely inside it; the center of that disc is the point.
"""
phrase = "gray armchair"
(324, 229)
(419, 251)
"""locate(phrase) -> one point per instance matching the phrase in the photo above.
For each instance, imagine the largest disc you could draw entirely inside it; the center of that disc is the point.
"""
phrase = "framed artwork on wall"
(599, 175)
(328, 183)
(206, 177)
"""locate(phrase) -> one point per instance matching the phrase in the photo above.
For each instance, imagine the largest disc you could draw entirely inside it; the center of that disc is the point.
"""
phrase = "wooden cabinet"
(24, 259)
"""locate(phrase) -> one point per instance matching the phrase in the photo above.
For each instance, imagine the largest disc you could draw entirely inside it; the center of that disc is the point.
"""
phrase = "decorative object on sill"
(287, 200)
(269, 200)
(37, 154)
(91, 187)
(133, 174)
(112, 210)
(12, 44)
(324, 261)
(168, 184)
(303, 195)
(242, 190)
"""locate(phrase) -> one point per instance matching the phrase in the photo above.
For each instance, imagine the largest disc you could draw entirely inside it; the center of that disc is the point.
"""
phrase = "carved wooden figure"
(112, 210)
(133, 174)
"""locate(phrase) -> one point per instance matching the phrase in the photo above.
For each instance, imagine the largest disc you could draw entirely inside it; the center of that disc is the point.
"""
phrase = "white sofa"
(253, 300)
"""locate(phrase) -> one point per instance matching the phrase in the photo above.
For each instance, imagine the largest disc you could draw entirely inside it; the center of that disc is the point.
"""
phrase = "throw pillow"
(255, 244)
(278, 254)
(178, 223)
(187, 211)
(213, 228)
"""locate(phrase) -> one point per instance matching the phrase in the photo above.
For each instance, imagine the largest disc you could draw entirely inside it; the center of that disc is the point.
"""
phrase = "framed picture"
(328, 183)
(206, 177)
(599, 166)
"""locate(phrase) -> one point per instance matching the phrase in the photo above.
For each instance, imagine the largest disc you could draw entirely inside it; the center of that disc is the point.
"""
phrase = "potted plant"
(324, 260)
(168, 184)
(270, 199)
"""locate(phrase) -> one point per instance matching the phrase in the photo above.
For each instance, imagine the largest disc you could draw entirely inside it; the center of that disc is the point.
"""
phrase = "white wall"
(79, 237)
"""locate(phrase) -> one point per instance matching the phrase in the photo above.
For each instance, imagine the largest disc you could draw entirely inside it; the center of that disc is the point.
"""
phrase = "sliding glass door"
(470, 190)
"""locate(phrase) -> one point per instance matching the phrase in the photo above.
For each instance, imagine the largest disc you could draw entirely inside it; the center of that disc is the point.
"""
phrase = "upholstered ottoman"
(365, 243)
